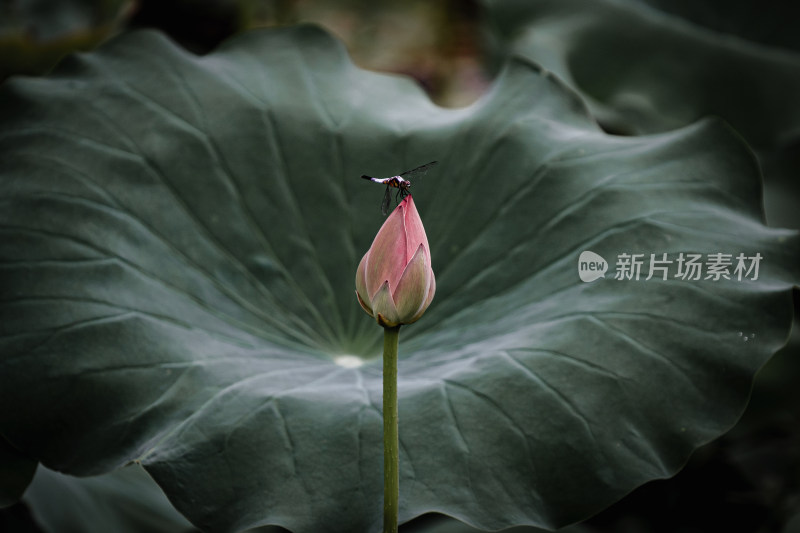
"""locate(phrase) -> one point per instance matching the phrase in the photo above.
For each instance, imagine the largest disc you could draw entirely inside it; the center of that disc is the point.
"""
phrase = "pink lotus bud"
(394, 281)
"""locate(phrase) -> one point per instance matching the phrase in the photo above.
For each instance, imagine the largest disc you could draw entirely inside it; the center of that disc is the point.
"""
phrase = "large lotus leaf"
(16, 471)
(771, 23)
(642, 70)
(179, 242)
(124, 501)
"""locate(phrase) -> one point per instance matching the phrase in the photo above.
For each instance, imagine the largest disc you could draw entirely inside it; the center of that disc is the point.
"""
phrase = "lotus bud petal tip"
(394, 280)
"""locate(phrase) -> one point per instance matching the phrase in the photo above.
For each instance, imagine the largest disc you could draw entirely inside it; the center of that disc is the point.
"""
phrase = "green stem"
(391, 441)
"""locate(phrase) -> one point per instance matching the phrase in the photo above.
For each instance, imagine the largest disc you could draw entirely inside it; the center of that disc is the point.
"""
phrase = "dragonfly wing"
(387, 199)
(419, 171)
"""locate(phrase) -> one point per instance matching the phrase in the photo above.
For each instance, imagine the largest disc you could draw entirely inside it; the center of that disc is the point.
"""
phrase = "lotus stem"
(391, 440)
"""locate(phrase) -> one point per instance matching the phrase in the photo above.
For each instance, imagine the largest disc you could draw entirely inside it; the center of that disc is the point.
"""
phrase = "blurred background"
(441, 44)
(643, 66)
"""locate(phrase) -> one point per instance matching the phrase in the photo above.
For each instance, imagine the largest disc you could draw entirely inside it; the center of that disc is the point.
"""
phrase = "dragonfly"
(402, 183)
